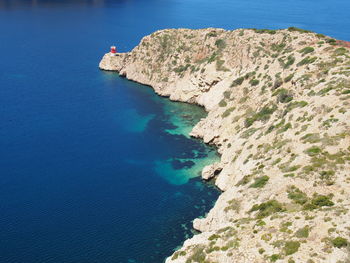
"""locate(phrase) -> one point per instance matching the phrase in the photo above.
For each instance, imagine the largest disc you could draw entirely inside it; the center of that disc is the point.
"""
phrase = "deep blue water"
(94, 168)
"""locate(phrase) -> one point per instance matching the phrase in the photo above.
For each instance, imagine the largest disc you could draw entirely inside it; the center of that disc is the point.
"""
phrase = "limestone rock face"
(211, 170)
(278, 111)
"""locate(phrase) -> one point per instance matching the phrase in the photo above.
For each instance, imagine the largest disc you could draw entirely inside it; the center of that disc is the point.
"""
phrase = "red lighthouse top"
(113, 49)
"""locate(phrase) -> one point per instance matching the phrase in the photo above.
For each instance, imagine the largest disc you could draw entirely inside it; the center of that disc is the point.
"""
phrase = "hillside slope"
(278, 111)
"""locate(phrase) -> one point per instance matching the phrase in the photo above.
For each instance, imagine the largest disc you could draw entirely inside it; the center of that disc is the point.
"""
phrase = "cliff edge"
(278, 111)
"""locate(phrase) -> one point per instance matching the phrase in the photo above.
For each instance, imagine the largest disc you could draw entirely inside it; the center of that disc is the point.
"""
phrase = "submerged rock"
(178, 164)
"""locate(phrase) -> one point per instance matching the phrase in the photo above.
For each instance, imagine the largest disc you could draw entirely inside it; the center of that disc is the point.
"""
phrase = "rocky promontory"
(278, 111)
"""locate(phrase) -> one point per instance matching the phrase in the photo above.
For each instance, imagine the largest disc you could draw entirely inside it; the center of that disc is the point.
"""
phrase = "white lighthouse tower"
(113, 51)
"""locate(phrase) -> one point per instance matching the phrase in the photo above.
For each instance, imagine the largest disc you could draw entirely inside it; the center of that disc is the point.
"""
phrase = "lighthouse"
(113, 51)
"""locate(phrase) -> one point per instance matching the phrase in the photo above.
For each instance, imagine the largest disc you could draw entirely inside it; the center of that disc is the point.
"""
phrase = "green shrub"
(254, 82)
(212, 58)
(227, 94)
(278, 47)
(268, 208)
(302, 232)
(331, 41)
(307, 50)
(318, 201)
(220, 43)
(307, 60)
(295, 29)
(177, 254)
(291, 247)
(290, 61)
(285, 128)
(246, 179)
(283, 96)
(227, 112)
(198, 254)
(275, 257)
(247, 133)
(212, 34)
(340, 242)
(263, 115)
(213, 237)
(288, 78)
(278, 83)
(223, 103)
(297, 195)
(340, 51)
(320, 35)
(182, 68)
(261, 251)
(311, 138)
(260, 182)
(233, 205)
(237, 82)
(293, 105)
(312, 151)
(322, 200)
(262, 31)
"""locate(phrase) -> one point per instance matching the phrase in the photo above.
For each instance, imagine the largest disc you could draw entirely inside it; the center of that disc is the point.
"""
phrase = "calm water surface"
(94, 168)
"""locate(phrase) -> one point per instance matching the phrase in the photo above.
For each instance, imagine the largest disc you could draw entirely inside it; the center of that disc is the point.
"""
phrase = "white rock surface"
(278, 111)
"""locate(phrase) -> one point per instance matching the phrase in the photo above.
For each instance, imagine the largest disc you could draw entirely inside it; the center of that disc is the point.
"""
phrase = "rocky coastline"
(278, 104)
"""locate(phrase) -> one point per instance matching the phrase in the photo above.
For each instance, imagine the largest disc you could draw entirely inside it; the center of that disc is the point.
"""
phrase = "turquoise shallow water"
(94, 168)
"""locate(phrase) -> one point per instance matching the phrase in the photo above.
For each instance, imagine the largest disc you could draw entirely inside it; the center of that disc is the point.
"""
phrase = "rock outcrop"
(278, 110)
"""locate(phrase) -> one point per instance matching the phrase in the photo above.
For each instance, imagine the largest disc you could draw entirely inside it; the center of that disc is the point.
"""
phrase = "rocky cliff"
(278, 111)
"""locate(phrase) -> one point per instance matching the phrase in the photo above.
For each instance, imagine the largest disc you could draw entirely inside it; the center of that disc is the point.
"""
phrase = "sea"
(93, 167)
